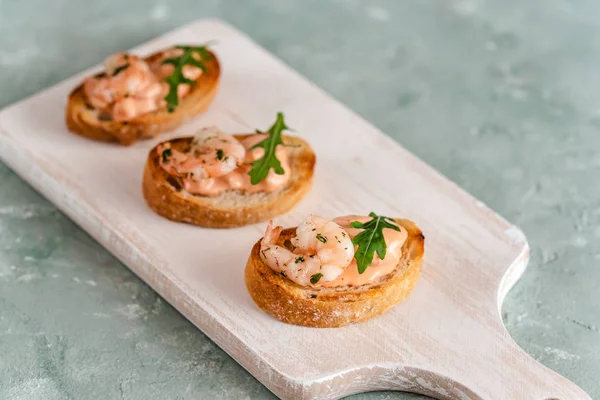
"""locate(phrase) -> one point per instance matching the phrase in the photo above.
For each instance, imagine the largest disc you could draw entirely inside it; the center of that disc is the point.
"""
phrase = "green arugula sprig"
(371, 239)
(262, 166)
(177, 78)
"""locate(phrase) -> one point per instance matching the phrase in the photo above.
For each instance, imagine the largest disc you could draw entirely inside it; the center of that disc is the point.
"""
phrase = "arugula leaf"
(314, 279)
(177, 78)
(371, 239)
(262, 166)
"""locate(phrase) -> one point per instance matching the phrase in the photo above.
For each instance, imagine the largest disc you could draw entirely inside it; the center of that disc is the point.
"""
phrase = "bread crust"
(333, 307)
(83, 120)
(165, 195)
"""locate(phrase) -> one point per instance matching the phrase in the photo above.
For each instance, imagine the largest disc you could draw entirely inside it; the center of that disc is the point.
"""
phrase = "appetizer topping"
(360, 250)
(212, 154)
(130, 87)
(311, 260)
(187, 65)
(263, 165)
(371, 239)
(218, 162)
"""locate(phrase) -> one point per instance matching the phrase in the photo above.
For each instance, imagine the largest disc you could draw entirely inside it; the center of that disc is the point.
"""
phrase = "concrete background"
(502, 97)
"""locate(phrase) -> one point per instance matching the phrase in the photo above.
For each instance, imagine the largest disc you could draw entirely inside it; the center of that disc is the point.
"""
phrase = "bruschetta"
(219, 180)
(135, 98)
(331, 273)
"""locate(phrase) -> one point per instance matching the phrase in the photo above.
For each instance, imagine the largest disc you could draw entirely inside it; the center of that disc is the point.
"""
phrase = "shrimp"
(213, 154)
(126, 75)
(322, 251)
(128, 86)
(131, 107)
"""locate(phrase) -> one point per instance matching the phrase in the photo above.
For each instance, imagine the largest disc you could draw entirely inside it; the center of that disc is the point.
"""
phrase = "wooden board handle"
(513, 374)
(531, 379)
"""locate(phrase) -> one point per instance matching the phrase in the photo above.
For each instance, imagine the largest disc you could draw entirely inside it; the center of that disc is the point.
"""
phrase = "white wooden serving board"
(447, 340)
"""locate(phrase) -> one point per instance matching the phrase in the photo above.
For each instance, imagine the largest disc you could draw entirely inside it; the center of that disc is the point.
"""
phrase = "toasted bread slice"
(339, 306)
(164, 193)
(85, 120)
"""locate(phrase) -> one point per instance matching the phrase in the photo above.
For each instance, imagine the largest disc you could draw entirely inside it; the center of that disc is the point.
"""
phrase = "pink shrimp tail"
(272, 234)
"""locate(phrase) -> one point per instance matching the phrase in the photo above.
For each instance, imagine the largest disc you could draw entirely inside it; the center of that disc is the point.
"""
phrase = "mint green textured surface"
(503, 97)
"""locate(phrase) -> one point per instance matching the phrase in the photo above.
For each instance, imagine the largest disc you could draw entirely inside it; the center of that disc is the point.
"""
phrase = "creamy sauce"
(350, 277)
(185, 164)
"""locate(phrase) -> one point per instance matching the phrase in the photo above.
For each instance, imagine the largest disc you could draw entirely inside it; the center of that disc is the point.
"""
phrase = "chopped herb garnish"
(371, 239)
(314, 279)
(166, 154)
(121, 68)
(299, 259)
(262, 166)
(220, 154)
(177, 78)
(321, 238)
